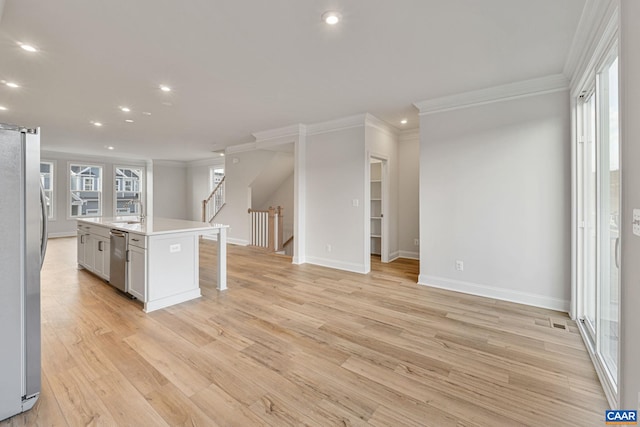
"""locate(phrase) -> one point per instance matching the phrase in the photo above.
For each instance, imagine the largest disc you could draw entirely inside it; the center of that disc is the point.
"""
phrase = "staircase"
(212, 205)
(267, 229)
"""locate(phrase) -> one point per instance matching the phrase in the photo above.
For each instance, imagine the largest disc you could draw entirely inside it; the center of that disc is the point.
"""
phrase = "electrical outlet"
(636, 222)
(416, 242)
(175, 248)
(355, 203)
(459, 265)
(328, 248)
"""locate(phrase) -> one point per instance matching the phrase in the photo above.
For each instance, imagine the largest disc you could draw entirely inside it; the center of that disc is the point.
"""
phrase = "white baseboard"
(150, 306)
(409, 255)
(237, 242)
(394, 256)
(338, 265)
(62, 234)
(298, 260)
(493, 292)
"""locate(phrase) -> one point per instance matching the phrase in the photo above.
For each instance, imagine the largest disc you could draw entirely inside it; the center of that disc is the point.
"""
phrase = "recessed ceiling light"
(221, 154)
(129, 121)
(28, 47)
(98, 124)
(12, 84)
(3, 108)
(146, 113)
(331, 17)
(403, 121)
(165, 88)
(125, 109)
(109, 147)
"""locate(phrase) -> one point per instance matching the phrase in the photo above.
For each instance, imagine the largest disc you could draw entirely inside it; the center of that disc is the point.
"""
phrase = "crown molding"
(587, 33)
(343, 123)
(522, 89)
(278, 133)
(374, 122)
(249, 146)
(603, 38)
(211, 161)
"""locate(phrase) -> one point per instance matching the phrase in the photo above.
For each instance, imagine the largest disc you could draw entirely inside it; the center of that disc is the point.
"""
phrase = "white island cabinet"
(162, 256)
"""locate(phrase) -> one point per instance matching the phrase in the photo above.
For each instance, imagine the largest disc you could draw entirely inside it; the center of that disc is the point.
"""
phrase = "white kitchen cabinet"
(138, 272)
(93, 250)
(101, 252)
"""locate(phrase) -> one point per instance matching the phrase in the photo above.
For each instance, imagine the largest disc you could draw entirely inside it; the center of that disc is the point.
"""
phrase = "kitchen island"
(162, 256)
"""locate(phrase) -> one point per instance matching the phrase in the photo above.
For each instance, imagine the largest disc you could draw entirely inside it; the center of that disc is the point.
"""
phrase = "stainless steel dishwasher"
(118, 267)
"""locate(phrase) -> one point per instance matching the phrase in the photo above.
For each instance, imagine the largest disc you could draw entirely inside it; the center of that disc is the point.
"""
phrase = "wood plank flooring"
(304, 345)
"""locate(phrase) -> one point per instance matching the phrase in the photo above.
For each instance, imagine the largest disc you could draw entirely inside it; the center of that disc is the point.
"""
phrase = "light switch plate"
(636, 222)
(175, 248)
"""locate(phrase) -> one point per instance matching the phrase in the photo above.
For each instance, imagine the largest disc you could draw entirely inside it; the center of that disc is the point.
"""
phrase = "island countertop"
(153, 225)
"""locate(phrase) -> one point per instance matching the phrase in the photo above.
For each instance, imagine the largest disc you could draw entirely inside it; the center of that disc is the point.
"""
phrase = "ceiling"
(238, 67)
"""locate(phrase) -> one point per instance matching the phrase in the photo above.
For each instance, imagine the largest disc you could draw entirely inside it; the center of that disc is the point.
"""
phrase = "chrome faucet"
(139, 202)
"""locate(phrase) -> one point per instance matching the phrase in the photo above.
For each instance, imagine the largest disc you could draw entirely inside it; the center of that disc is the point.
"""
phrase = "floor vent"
(558, 324)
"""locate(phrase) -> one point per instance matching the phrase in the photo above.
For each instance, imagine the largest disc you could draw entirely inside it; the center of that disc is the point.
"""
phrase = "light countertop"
(153, 225)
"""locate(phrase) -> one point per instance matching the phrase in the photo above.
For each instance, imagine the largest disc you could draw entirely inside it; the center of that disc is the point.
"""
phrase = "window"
(47, 181)
(128, 185)
(216, 173)
(85, 185)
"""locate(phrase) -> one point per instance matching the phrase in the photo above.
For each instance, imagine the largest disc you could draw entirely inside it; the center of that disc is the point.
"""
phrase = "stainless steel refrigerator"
(23, 230)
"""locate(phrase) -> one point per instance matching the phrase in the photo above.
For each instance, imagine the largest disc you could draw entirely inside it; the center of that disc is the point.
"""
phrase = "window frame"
(95, 212)
(52, 191)
(122, 189)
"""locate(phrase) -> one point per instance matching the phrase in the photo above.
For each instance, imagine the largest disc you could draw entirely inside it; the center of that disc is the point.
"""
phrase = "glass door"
(598, 161)
(609, 207)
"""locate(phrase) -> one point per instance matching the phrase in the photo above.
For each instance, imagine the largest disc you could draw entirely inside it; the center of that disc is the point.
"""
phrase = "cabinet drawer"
(137, 240)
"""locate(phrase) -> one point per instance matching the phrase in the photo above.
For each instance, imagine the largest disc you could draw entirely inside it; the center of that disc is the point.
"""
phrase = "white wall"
(283, 196)
(335, 168)
(630, 271)
(198, 185)
(241, 170)
(409, 194)
(170, 196)
(383, 144)
(495, 193)
(62, 225)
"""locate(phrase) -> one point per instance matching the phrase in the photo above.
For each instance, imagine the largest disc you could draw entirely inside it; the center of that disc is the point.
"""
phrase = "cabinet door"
(90, 252)
(101, 254)
(138, 273)
(81, 247)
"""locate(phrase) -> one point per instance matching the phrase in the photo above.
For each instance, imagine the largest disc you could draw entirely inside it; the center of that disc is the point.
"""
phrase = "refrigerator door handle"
(45, 222)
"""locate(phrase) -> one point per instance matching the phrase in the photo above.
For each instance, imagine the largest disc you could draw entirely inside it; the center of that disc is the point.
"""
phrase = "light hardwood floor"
(304, 345)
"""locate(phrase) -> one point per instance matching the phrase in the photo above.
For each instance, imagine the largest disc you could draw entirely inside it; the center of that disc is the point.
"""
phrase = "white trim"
(409, 255)
(240, 148)
(495, 293)
(507, 92)
(298, 260)
(600, 371)
(585, 34)
(237, 242)
(150, 306)
(593, 28)
(338, 265)
(376, 123)
(62, 234)
(283, 132)
(343, 123)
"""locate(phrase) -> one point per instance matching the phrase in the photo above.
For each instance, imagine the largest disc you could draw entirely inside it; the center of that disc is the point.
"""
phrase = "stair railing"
(266, 228)
(211, 205)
